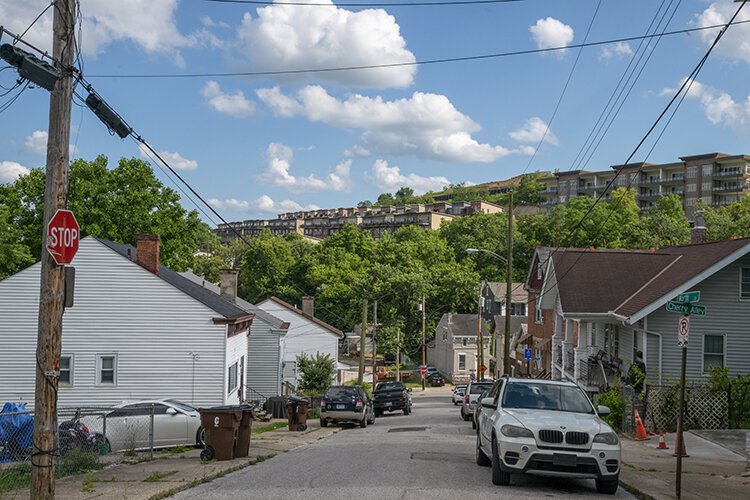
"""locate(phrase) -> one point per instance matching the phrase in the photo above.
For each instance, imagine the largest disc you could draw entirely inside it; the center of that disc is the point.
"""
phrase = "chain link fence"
(87, 439)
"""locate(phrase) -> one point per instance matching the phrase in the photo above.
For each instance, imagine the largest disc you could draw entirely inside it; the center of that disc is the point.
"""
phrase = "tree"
(728, 221)
(664, 225)
(385, 199)
(404, 196)
(316, 372)
(265, 267)
(14, 254)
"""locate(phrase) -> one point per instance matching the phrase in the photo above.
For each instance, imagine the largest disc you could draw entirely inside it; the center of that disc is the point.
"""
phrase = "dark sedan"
(435, 380)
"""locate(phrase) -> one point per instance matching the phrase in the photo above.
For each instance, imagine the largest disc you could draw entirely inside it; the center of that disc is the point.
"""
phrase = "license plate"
(564, 460)
(340, 407)
(389, 403)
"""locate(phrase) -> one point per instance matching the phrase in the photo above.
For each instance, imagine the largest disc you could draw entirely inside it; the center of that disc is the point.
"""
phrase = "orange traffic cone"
(662, 443)
(640, 429)
(677, 446)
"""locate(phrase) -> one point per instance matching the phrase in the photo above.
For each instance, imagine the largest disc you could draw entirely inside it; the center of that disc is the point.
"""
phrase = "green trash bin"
(221, 425)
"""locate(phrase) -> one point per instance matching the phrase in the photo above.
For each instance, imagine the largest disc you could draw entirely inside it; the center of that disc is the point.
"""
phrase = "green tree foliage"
(265, 267)
(14, 254)
(664, 225)
(728, 221)
(317, 372)
(115, 204)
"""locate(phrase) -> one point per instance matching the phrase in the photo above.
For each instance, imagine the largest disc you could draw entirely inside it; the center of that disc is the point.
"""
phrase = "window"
(691, 172)
(232, 379)
(707, 186)
(708, 170)
(745, 283)
(106, 369)
(66, 370)
(691, 187)
(713, 352)
(707, 200)
(539, 315)
(462, 362)
(517, 309)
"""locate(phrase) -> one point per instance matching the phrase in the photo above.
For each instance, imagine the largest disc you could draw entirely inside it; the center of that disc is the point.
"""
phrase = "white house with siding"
(264, 345)
(307, 334)
(137, 330)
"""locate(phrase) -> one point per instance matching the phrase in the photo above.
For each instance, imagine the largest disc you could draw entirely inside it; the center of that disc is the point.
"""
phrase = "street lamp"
(477, 250)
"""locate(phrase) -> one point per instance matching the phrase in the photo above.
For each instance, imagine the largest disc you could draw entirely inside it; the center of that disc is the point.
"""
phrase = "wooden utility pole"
(52, 285)
(424, 344)
(480, 337)
(374, 350)
(398, 358)
(362, 330)
(508, 289)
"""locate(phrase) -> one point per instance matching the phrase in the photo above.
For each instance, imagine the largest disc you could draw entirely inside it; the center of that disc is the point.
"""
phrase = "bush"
(317, 372)
(365, 385)
(613, 399)
(737, 389)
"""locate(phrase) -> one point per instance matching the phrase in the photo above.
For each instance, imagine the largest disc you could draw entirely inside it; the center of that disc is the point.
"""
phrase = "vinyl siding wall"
(264, 359)
(122, 309)
(726, 315)
(236, 347)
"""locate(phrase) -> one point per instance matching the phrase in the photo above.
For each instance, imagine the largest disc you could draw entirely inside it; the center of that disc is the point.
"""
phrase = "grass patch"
(15, 477)
(175, 450)
(88, 485)
(268, 428)
(78, 462)
(158, 476)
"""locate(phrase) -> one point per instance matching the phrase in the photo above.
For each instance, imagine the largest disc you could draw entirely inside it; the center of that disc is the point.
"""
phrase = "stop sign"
(423, 370)
(63, 234)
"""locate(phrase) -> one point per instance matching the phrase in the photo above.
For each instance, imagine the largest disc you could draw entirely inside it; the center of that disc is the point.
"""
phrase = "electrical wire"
(368, 4)
(34, 21)
(414, 63)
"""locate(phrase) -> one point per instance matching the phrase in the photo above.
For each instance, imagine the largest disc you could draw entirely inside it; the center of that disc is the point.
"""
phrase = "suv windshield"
(340, 392)
(390, 386)
(479, 388)
(546, 397)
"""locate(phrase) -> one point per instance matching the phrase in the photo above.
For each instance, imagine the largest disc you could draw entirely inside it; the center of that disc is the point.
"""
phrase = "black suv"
(391, 396)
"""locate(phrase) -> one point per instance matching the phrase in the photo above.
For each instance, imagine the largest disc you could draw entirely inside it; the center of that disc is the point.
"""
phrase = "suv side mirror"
(171, 411)
(603, 411)
(489, 403)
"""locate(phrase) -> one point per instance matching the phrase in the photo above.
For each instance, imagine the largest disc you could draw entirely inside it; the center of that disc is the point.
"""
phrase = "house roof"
(211, 300)
(517, 293)
(631, 283)
(247, 306)
(299, 312)
(462, 324)
(517, 323)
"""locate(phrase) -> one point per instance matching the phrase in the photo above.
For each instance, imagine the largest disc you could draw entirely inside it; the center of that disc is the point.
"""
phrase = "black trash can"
(221, 425)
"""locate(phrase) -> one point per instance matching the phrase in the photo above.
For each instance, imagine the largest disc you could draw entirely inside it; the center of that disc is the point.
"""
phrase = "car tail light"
(467, 399)
(359, 405)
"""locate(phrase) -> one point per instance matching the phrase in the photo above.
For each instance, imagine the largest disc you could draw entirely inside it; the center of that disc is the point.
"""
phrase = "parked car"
(548, 428)
(473, 390)
(478, 410)
(391, 396)
(345, 403)
(435, 380)
(458, 394)
(127, 426)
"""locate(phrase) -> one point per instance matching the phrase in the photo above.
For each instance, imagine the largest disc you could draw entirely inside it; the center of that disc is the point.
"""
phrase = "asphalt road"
(428, 454)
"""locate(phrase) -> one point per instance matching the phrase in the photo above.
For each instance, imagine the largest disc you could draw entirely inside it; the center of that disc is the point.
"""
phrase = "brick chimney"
(147, 246)
(698, 231)
(308, 305)
(228, 283)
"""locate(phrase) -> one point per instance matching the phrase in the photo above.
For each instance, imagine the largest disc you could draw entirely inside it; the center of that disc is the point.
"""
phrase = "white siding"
(120, 308)
(303, 336)
(264, 359)
(236, 348)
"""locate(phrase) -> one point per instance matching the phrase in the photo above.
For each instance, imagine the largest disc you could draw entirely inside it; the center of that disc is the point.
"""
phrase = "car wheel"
(363, 422)
(407, 410)
(465, 416)
(499, 476)
(482, 459)
(607, 486)
(323, 422)
(378, 413)
(200, 437)
(473, 424)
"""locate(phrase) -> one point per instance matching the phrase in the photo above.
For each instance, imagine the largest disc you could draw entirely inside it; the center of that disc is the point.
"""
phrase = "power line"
(369, 4)
(35, 20)
(413, 63)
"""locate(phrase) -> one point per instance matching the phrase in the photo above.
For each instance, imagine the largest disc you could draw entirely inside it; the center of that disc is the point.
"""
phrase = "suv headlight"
(606, 438)
(515, 431)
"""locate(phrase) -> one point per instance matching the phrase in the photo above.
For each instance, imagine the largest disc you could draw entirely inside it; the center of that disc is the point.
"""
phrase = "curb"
(635, 491)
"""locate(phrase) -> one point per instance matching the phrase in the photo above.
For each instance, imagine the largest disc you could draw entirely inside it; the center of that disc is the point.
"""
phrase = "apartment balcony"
(738, 172)
(652, 180)
(651, 195)
(674, 179)
(738, 188)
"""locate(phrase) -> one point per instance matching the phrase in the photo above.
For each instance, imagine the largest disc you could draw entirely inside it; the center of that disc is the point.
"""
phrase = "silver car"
(127, 426)
(473, 390)
(458, 394)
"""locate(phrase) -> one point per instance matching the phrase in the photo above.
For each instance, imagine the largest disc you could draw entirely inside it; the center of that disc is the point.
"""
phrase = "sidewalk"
(710, 472)
(169, 472)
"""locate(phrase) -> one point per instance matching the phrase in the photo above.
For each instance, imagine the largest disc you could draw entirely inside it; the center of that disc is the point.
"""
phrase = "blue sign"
(527, 354)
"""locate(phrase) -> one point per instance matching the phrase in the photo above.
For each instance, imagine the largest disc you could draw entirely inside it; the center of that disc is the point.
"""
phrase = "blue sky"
(258, 146)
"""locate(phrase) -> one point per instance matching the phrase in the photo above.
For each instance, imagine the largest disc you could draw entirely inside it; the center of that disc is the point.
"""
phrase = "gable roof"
(632, 283)
(299, 312)
(517, 292)
(462, 324)
(215, 302)
(247, 306)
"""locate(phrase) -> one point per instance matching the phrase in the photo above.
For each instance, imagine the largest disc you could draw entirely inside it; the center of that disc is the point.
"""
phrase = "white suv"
(547, 428)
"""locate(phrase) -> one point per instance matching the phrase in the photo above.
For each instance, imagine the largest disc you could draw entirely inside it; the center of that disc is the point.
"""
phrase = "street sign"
(527, 354)
(678, 307)
(683, 331)
(423, 370)
(482, 368)
(63, 234)
(689, 297)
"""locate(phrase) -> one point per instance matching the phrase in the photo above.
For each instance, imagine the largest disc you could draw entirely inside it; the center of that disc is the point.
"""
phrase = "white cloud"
(550, 32)
(149, 24)
(735, 44)
(174, 159)
(284, 37)
(391, 179)
(263, 205)
(235, 104)
(279, 162)
(10, 171)
(618, 49)
(37, 143)
(209, 22)
(424, 125)
(718, 106)
(533, 131)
